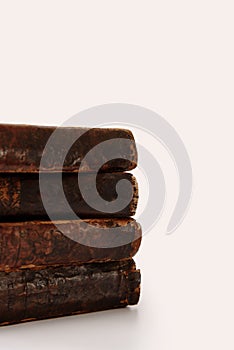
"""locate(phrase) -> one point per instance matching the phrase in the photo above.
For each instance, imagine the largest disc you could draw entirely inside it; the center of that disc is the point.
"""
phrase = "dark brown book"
(22, 147)
(20, 196)
(42, 243)
(28, 295)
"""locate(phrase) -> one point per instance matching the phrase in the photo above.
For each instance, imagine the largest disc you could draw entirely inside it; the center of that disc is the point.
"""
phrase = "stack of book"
(59, 253)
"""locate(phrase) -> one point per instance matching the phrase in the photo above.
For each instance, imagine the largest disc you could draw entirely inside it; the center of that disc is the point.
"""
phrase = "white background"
(175, 57)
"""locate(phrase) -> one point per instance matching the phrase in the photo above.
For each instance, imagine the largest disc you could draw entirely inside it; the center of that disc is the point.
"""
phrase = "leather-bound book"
(34, 294)
(21, 196)
(28, 148)
(44, 243)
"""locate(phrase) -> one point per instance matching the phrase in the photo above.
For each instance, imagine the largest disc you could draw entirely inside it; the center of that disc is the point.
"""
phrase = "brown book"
(20, 196)
(41, 243)
(22, 147)
(35, 294)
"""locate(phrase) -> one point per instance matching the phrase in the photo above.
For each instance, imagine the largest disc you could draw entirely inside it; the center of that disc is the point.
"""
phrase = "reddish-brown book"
(21, 196)
(35, 294)
(22, 147)
(42, 243)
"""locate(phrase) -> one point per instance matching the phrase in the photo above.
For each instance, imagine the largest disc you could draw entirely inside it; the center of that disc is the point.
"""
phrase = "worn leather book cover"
(21, 197)
(44, 243)
(34, 294)
(22, 147)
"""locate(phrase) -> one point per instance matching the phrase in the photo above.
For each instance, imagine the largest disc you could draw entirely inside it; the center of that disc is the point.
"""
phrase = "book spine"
(22, 147)
(44, 243)
(59, 291)
(20, 196)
